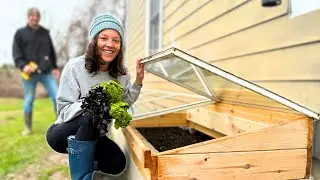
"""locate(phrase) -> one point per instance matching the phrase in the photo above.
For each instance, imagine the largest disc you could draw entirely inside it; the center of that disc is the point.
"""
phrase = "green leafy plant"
(114, 90)
(105, 102)
(119, 111)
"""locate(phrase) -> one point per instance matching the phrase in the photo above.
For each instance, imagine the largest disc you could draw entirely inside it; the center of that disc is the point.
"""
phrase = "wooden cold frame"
(271, 139)
(269, 148)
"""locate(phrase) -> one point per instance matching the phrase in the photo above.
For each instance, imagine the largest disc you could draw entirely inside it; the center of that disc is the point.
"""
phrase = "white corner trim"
(147, 27)
(160, 24)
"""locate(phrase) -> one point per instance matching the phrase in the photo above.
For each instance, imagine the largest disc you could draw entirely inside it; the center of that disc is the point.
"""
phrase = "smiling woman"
(74, 130)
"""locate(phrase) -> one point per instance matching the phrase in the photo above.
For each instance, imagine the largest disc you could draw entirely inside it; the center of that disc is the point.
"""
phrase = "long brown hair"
(92, 61)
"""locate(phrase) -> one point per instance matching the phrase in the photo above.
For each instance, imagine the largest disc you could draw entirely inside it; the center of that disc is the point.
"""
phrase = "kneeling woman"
(73, 133)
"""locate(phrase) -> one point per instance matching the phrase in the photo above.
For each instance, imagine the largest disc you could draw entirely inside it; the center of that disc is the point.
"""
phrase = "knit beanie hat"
(103, 22)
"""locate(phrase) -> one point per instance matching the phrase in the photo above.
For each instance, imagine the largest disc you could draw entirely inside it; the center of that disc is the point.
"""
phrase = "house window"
(299, 7)
(155, 26)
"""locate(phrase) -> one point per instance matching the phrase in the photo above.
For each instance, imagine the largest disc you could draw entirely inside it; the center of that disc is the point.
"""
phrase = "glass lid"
(208, 82)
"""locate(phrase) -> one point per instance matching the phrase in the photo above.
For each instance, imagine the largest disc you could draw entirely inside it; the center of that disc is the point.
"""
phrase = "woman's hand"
(140, 72)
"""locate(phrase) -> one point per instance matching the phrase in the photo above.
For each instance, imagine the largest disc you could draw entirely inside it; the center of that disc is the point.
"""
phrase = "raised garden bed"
(246, 150)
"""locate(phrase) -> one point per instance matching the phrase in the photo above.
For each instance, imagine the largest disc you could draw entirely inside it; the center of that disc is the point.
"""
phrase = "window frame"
(149, 19)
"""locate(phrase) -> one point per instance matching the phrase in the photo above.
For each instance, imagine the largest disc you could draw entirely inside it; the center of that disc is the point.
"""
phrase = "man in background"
(34, 55)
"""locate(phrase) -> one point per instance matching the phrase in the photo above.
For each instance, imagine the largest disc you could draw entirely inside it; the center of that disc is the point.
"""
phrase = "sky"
(55, 16)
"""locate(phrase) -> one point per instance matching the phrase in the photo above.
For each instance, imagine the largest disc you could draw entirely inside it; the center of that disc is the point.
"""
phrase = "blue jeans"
(47, 80)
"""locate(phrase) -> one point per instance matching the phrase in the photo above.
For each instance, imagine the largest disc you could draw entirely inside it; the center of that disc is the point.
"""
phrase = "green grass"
(10, 104)
(16, 150)
(46, 173)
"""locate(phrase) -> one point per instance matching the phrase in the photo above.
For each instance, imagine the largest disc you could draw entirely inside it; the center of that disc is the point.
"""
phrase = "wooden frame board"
(276, 137)
(278, 164)
(168, 120)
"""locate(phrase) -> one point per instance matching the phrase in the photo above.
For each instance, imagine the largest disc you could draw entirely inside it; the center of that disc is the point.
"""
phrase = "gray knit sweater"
(76, 82)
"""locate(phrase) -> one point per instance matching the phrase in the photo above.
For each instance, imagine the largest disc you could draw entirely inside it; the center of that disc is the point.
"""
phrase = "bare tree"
(75, 41)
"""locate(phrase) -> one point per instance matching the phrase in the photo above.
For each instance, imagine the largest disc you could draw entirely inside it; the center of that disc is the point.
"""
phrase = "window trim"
(147, 26)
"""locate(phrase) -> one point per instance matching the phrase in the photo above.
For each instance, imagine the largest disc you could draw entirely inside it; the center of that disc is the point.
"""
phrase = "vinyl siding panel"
(135, 47)
(263, 45)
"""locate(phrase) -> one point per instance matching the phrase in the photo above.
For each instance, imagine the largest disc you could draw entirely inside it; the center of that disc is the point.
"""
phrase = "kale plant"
(104, 102)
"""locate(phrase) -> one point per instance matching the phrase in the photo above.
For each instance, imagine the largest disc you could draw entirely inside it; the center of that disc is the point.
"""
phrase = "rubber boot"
(28, 124)
(81, 158)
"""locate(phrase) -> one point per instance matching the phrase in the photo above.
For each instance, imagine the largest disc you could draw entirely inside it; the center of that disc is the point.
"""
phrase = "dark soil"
(167, 138)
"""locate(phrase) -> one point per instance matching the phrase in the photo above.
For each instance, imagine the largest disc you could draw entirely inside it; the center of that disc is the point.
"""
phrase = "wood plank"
(242, 17)
(182, 12)
(223, 123)
(139, 148)
(205, 130)
(210, 11)
(274, 34)
(257, 114)
(154, 168)
(277, 137)
(280, 164)
(309, 147)
(168, 120)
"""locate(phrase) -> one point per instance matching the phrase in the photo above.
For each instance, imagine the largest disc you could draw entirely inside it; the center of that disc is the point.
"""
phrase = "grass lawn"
(17, 151)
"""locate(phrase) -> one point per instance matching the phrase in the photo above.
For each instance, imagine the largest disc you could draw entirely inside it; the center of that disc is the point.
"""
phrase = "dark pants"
(108, 155)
